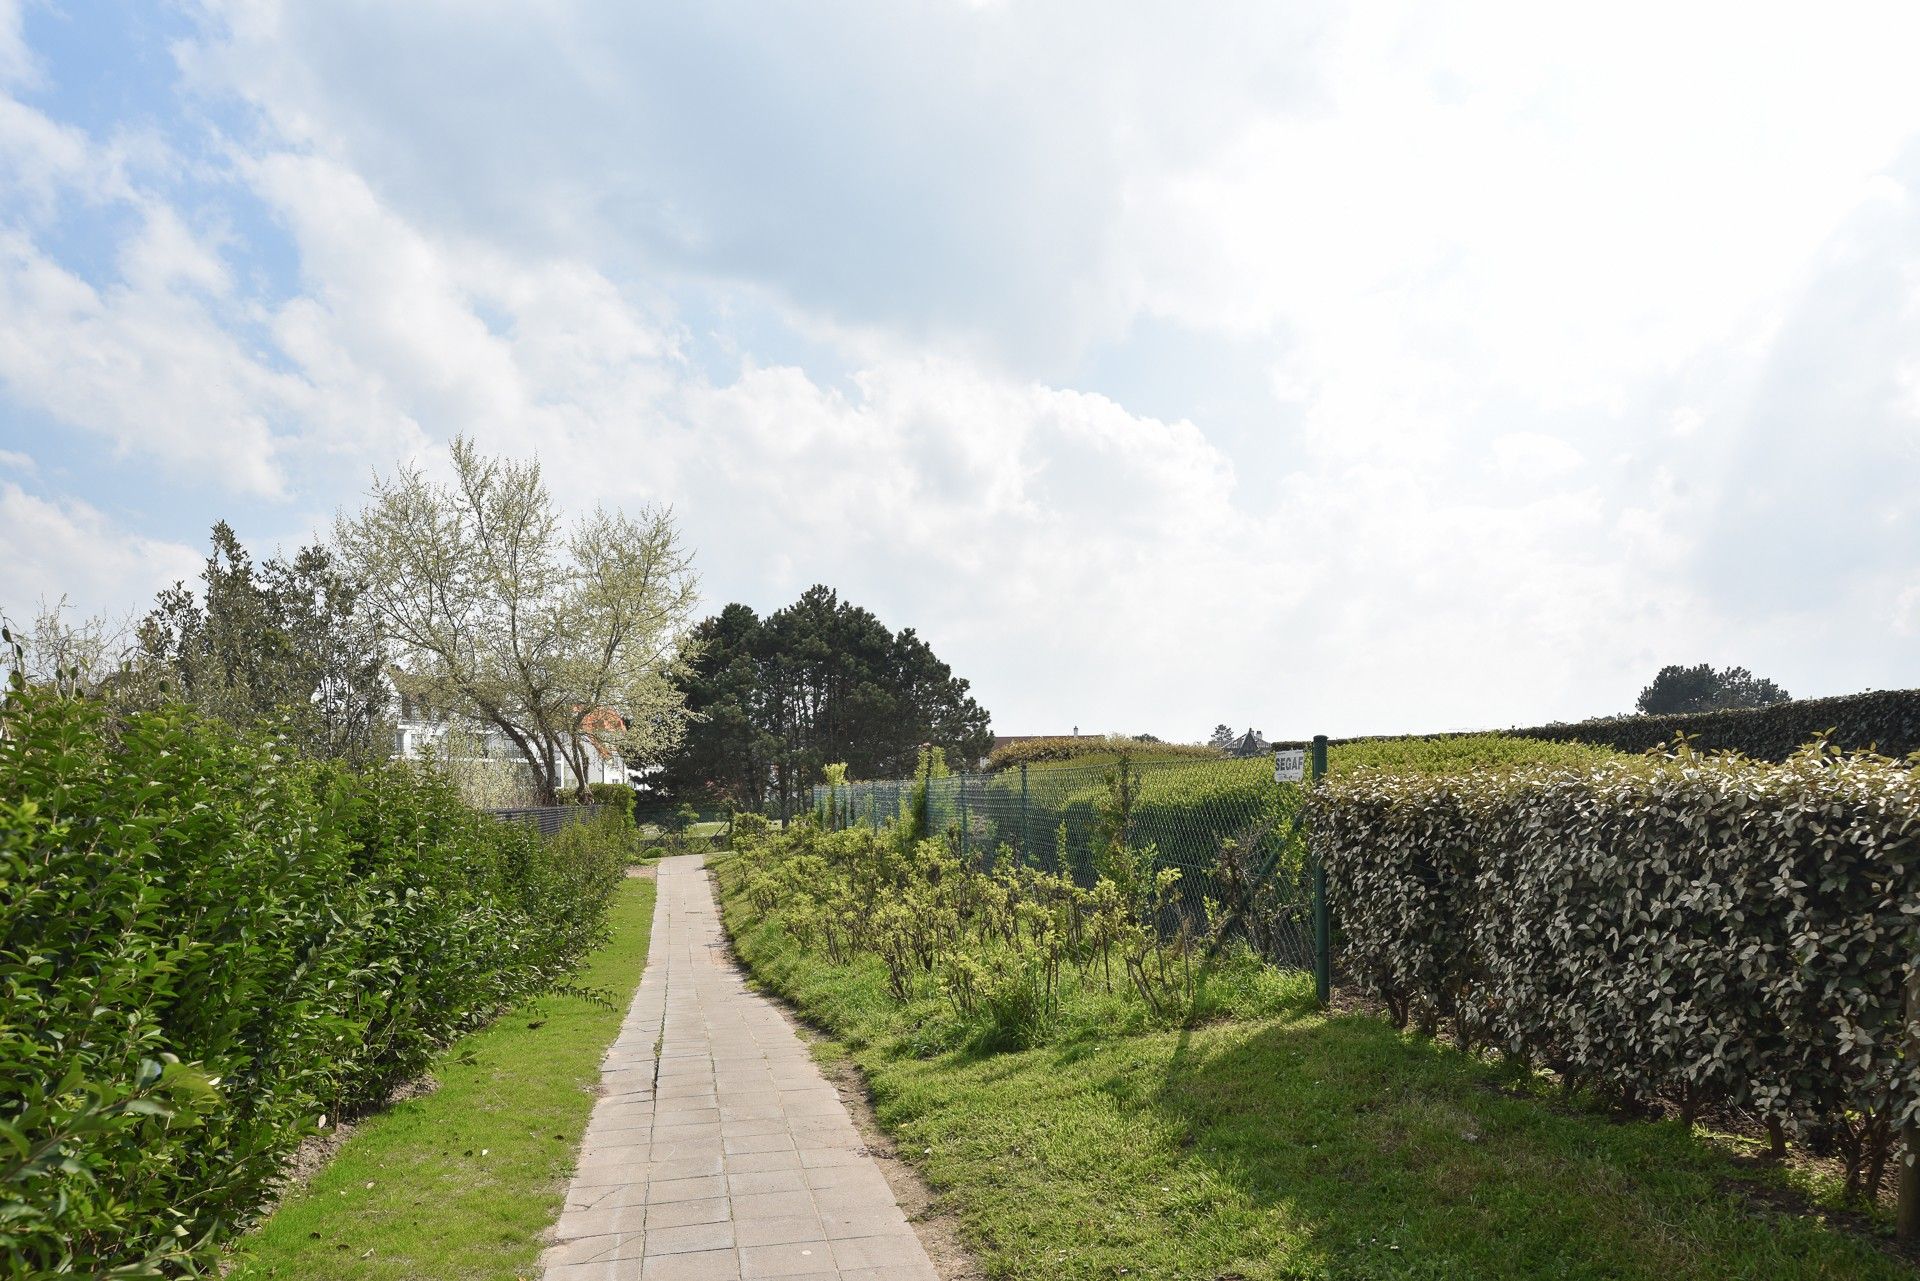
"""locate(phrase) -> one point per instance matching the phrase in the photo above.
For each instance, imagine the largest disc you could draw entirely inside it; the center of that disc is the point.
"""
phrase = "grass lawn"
(460, 1183)
(657, 842)
(1302, 1145)
(705, 829)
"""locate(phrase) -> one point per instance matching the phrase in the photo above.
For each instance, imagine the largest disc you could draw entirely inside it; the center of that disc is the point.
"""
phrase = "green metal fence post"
(924, 819)
(961, 780)
(1322, 930)
(1023, 813)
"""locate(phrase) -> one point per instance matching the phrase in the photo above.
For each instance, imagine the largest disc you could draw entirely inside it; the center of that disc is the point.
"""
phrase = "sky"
(1311, 368)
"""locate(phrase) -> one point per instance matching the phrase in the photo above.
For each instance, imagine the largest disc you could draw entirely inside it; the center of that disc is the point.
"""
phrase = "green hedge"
(605, 794)
(207, 944)
(1883, 721)
(1708, 929)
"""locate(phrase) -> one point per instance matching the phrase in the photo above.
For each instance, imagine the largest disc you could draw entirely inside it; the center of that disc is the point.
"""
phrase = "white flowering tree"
(506, 617)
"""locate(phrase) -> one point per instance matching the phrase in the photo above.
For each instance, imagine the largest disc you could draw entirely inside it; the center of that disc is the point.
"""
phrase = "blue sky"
(1352, 368)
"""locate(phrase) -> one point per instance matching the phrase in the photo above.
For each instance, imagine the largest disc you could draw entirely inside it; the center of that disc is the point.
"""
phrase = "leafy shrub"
(1224, 824)
(1709, 929)
(208, 943)
(1017, 1008)
(749, 829)
(1016, 954)
(610, 794)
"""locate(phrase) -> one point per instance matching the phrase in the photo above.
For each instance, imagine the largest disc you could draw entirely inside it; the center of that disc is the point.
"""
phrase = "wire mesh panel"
(548, 818)
(1226, 825)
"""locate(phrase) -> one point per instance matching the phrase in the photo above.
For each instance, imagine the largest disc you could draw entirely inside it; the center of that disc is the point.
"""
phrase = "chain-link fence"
(548, 818)
(1227, 826)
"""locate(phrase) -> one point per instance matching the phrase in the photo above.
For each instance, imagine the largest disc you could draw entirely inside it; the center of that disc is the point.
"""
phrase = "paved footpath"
(718, 1150)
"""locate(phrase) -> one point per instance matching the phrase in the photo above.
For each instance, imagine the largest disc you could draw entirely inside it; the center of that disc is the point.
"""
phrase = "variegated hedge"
(1708, 929)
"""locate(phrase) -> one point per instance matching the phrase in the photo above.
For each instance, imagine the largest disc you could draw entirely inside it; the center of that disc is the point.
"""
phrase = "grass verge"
(1301, 1145)
(460, 1183)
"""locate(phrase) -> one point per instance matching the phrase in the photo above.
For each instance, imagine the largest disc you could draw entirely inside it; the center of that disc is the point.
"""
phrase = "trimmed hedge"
(1456, 753)
(1883, 721)
(208, 943)
(1707, 929)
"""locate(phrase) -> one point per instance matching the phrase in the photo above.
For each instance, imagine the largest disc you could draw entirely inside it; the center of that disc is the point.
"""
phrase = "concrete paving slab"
(718, 1151)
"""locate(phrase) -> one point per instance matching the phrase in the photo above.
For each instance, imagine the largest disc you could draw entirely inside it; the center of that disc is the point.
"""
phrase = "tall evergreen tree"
(1700, 688)
(820, 681)
(283, 640)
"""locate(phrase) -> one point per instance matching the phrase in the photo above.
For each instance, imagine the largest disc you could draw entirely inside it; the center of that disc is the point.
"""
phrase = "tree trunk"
(542, 789)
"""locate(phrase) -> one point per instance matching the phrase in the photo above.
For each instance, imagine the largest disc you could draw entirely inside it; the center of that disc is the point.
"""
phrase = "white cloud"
(17, 66)
(1530, 457)
(51, 548)
(165, 256)
(1906, 610)
(43, 157)
(142, 363)
(1552, 318)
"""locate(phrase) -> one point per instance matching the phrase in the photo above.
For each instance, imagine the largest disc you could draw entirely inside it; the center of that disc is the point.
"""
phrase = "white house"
(420, 731)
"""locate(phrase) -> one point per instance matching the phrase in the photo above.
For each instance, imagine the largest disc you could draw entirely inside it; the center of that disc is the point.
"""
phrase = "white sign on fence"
(1289, 764)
